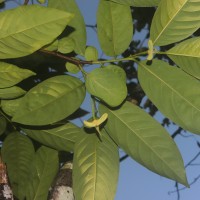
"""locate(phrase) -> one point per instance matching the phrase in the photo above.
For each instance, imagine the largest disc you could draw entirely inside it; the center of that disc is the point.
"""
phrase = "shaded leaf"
(66, 45)
(187, 56)
(95, 168)
(50, 101)
(11, 74)
(17, 153)
(11, 93)
(114, 27)
(107, 85)
(145, 140)
(174, 21)
(61, 138)
(29, 33)
(138, 3)
(173, 92)
(43, 171)
(77, 23)
(3, 124)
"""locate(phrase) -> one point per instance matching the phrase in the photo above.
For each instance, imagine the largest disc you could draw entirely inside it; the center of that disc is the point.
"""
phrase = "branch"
(26, 2)
(178, 131)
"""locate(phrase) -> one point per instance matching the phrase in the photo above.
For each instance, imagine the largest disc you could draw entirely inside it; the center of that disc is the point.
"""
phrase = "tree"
(42, 55)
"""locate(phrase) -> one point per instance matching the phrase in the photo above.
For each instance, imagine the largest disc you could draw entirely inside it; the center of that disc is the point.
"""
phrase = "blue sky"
(135, 181)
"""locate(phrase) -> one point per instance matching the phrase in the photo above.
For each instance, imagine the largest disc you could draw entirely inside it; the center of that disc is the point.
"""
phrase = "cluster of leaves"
(32, 121)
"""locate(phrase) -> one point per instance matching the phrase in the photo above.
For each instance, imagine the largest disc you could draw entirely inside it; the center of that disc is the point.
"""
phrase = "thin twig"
(178, 131)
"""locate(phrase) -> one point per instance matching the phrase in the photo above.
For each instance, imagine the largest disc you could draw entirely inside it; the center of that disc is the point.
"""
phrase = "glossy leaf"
(138, 3)
(114, 27)
(66, 45)
(77, 23)
(3, 124)
(91, 53)
(50, 101)
(107, 85)
(11, 93)
(61, 138)
(174, 21)
(187, 56)
(29, 33)
(10, 106)
(17, 153)
(11, 74)
(145, 140)
(173, 92)
(95, 168)
(43, 170)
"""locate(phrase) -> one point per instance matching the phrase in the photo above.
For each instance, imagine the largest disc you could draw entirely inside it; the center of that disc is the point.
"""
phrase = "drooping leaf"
(107, 85)
(61, 138)
(138, 3)
(91, 53)
(43, 170)
(10, 106)
(17, 153)
(114, 27)
(145, 140)
(95, 168)
(34, 27)
(3, 124)
(174, 21)
(187, 56)
(50, 101)
(173, 92)
(11, 74)
(77, 23)
(11, 92)
(66, 45)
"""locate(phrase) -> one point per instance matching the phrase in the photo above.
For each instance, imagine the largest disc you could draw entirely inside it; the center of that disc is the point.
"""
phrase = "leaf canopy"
(28, 33)
(173, 92)
(95, 168)
(50, 101)
(145, 140)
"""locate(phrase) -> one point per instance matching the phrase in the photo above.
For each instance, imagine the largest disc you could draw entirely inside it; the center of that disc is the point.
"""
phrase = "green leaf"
(17, 153)
(61, 138)
(187, 56)
(50, 101)
(52, 46)
(11, 93)
(145, 140)
(174, 21)
(77, 23)
(173, 92)
(72, 68)
(10, 106)
(66, 45)
(107, 85)
(3, 124)
(11, 74)
(91, 53)
(95, 168)
(44, 169)
(34, 27)
(138, 3)
(114, 27)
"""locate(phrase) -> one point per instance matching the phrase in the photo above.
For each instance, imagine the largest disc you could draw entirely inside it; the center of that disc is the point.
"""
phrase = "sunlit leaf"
(34, 27)
(50, 101)
(77, 24)
(11, 74)
(72, 68)
(66, 45)
(114, 27)
(91, 53)
(107, 85)
(17, 153)
(145, 140)
(61, 138)
(174, 21)
(187, 56)
(11, 93)
(138, 3)
(43, 170)
(173, 92)
(52, 46)
(95, 168)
